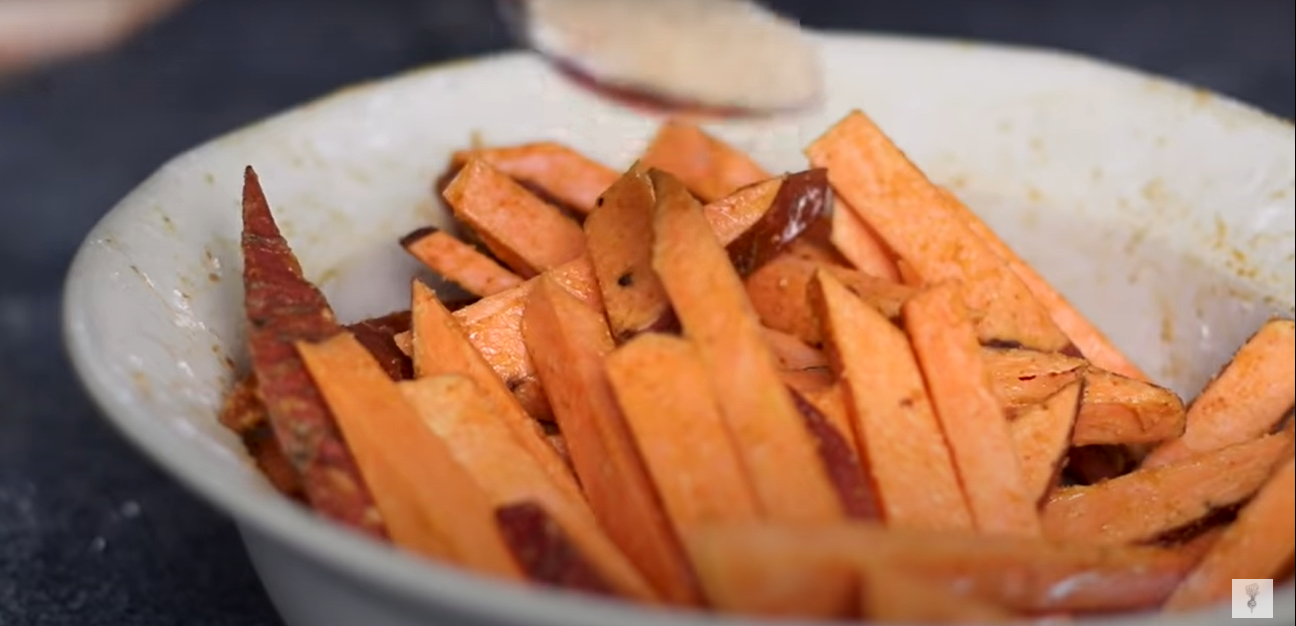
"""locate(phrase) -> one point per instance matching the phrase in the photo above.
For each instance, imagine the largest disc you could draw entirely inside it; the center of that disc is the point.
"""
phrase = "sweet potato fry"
(1041, 435)
(525, 233)
(803, 198)
(710, 168)
(1251, 394)
(1117, 409)
(282, 308)
(245, 414)
(458, 262)
(778, 293)
(440, 348)
(831, 402)
(457, 410)
(1024, 378)
(545, 552)
(945, 343)
(840, 459)
(429, 503)
(733, 214)
(1145, 503)
(568, 342)
(1087, 338)
(892, 598)
(808, 381)
(564, 174)
(1021, 574)
(378, 336)
(861, 245)
(777, 451)
(910, 214)
(661, 386)
(1257, 545)
(901, 444)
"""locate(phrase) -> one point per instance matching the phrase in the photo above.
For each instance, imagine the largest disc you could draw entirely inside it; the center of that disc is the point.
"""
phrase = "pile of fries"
(829, 394)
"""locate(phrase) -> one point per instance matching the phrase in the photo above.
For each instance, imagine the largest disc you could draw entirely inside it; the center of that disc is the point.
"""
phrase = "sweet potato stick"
(1087, 338)
(440, 347)
(945, 344)
(734, 214)
(893, 197)
(546, 552)
(778, 452)
(1255, 546)
(808, 381)
(457, 410)
(831, 402)
(568, 342)
(900, 440)
(1244, 401)
(803, 199)
(710, 168)
(1117, 409)
(1024, 378)
(840, 458)
(566, 175)
(523, 231)
(1145, 503)
(778, 293)
(458, 262)
(661, 386)
(282, 307)
(1021, 574)
(378, 336)
(1041, 435)
(861, 245)
(245, 414)
(430, 504)
(792, 353)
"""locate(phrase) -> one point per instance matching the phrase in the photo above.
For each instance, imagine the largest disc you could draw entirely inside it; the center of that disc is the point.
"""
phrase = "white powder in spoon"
(727, 54)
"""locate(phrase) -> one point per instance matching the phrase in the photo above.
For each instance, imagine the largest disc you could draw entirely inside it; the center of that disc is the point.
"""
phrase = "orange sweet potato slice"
(1117, 409)
(1251, 394)
(440, 347)
(915, 220)
(378, 336)
(1087, 338)
(861, 245)
(1146, 503)
(245, 414)
(900, 440)
(945, 343)
(458, 262)
(1041, 435)
(429, 503)
(545, 552)
(1257, 545)
(803, 198)
(523, 231)
(282, 307)
(710, 168)
(1021, 574)
(482, 441)
(792, 353)
(808, 381)
(568, 342)
(1024, 378)
(661, 385)
(831, 402)
(778, 452)
(854, 488)
(778, 293)
(564, 174)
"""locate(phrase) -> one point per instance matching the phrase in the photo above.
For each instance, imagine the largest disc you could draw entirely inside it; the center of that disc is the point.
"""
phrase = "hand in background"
(36, 32)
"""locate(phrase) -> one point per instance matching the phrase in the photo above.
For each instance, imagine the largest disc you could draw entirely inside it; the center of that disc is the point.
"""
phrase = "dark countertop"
(90, 532)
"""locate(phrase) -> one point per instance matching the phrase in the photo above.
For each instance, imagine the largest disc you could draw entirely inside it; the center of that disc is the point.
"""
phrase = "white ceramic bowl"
(1166, 214)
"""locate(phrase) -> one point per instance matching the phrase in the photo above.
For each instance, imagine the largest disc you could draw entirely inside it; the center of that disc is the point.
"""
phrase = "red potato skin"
(378, 336)
(802, 199)
(284, 308)
(545, 552)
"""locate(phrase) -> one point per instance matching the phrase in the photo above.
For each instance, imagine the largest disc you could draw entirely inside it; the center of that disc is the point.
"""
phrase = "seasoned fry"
(283, 308)
(564, 174)
(708, 167)
(458, 262)
(1041, 435)
(901, 444)
(861, 245)
(525, 233)
(1024, 378)
(1251, 394)
(777, 451)
(803, 198)
(1167, 497)
(1117, 409)
(792, 354)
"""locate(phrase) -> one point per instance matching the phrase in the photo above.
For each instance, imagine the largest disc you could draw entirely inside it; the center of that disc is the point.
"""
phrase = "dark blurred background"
(90, 533)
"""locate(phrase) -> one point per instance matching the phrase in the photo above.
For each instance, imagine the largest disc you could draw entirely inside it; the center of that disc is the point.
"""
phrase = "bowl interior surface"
(1164, 213)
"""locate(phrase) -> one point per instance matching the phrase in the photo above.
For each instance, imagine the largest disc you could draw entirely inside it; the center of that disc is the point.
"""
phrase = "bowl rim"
(405, 578)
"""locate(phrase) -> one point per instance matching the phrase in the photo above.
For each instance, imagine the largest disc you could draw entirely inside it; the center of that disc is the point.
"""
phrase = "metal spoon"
(716, 57)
